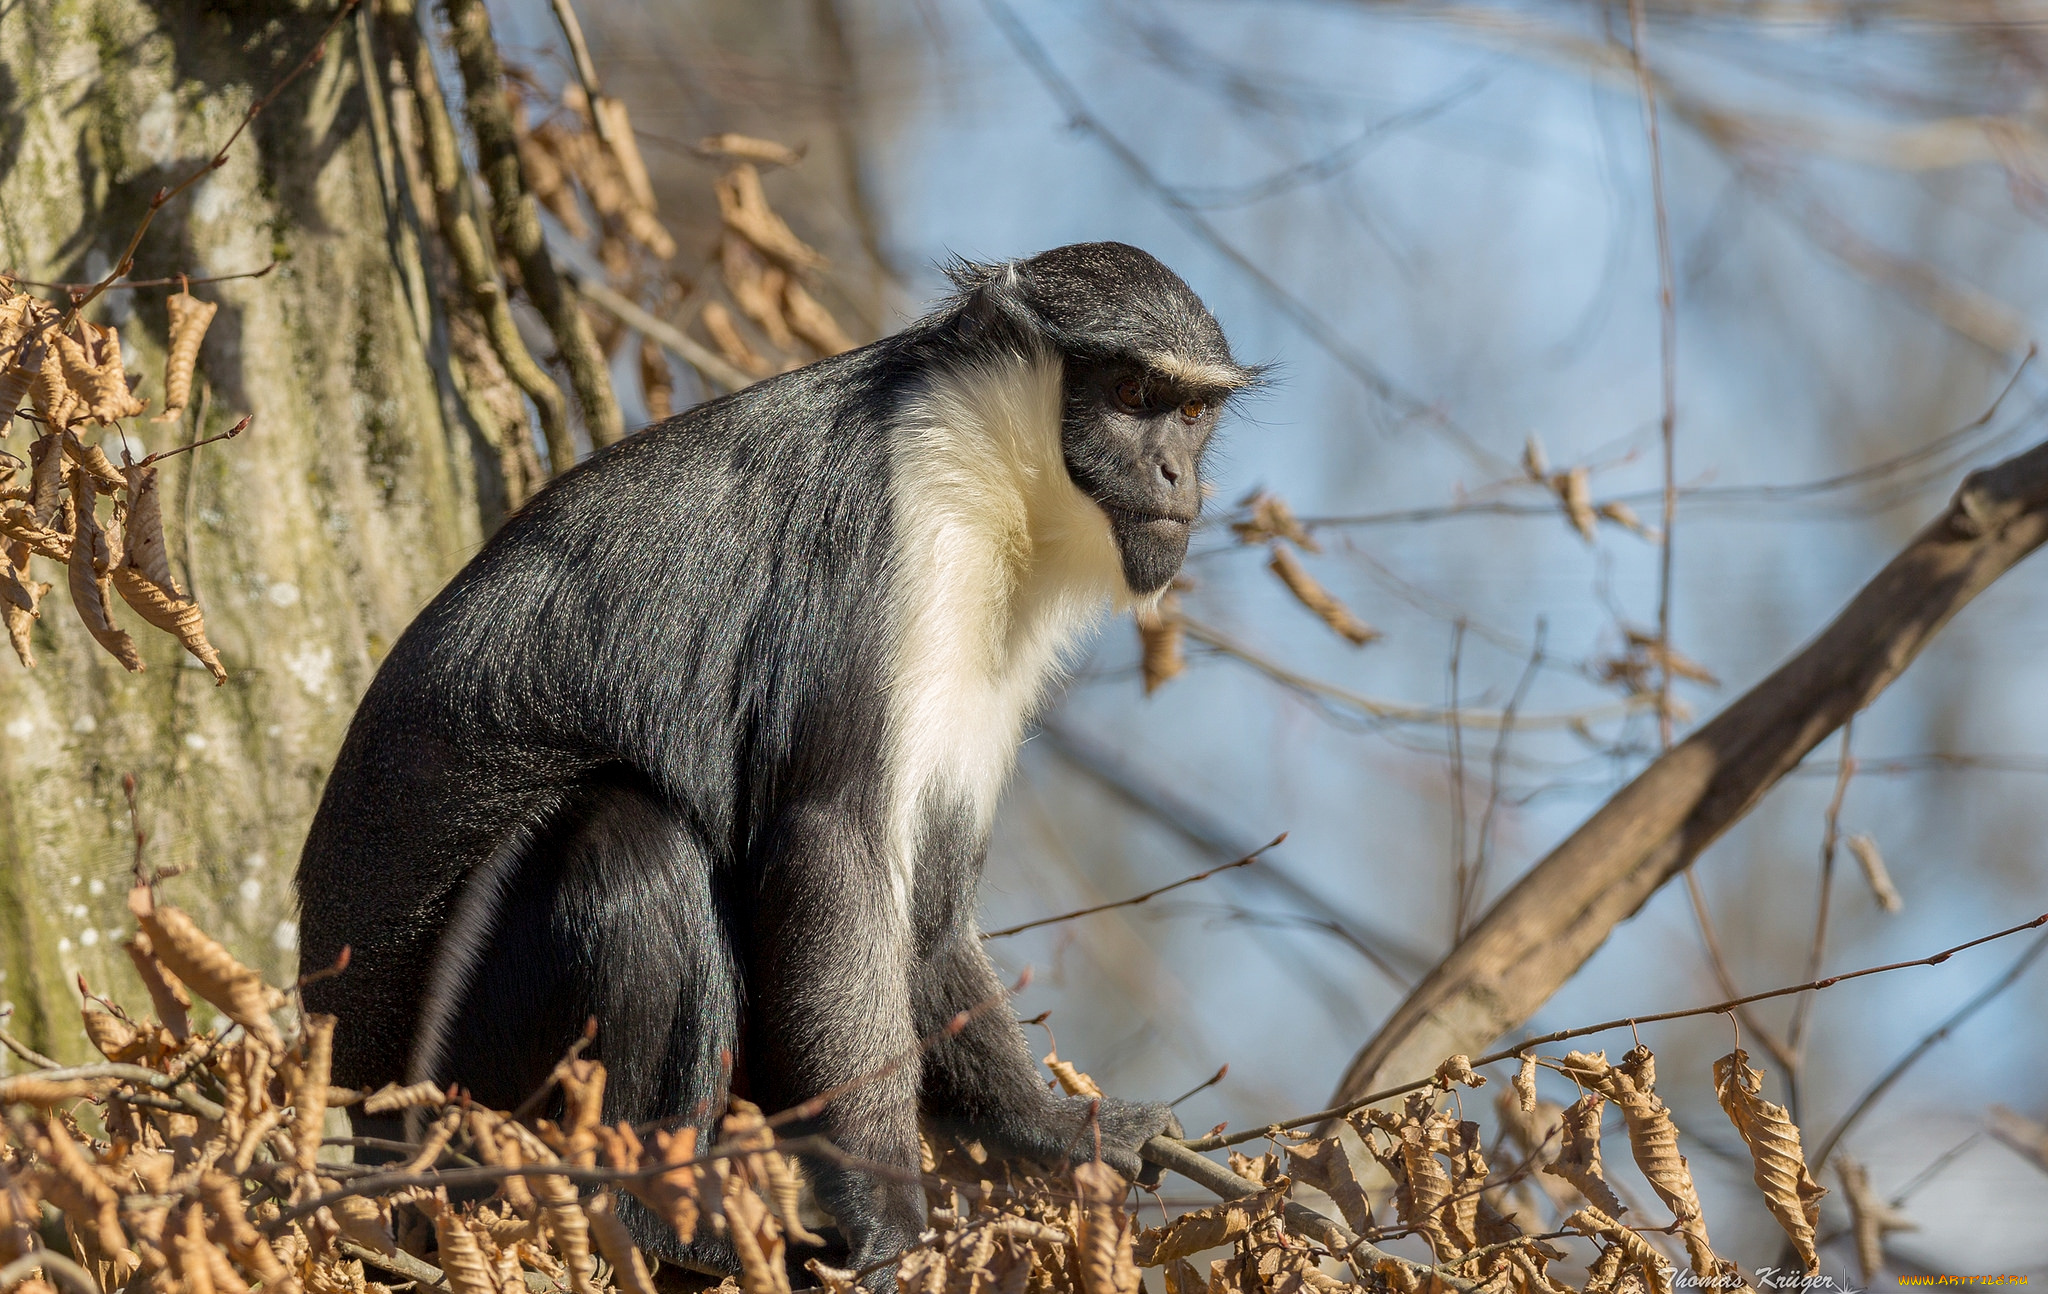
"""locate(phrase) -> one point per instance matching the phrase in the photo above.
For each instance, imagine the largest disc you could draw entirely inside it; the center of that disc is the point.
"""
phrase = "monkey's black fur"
(634, 756)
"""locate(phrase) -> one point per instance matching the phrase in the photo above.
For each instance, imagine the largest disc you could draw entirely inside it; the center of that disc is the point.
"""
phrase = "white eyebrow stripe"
(1200, 374)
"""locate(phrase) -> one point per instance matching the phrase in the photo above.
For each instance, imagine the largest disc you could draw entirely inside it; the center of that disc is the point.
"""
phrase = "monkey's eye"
(1193, 410)
(1130, 393)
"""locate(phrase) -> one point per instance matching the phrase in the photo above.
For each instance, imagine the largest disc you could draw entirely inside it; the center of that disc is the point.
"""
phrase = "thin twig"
(1202, 1086)
(1724, 976)
(168, 281)
(26, 1052)
(586, 69)
(1831, 835)
(126, 260)
(1133, 901)
(1627, 1022)
(1667, 329)
(1396, 711)
(229, 434)
(1897, 1069)
(52, 1264)
(1497, 760)
(1455, 733)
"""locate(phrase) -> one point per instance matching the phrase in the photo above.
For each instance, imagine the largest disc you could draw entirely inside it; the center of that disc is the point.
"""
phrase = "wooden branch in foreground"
(1538, 934)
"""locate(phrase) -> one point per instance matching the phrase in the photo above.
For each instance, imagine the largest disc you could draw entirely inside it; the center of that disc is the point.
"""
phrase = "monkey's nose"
(1171, 473)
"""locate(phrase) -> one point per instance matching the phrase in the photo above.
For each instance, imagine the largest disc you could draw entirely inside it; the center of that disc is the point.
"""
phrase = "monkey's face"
(1133, 439)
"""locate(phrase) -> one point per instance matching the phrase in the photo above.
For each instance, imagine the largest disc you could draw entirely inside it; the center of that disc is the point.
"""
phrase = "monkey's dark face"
(1146, 370)
(1133, 439)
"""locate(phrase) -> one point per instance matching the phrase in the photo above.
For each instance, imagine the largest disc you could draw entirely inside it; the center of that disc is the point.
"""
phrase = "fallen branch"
(1544, 928)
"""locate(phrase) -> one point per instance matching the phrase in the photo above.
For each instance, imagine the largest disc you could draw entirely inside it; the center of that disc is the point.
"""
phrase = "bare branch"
(1553, 919)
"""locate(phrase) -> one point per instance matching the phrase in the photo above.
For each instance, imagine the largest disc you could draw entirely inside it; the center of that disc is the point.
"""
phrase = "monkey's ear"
(969, 277)
(991, 302)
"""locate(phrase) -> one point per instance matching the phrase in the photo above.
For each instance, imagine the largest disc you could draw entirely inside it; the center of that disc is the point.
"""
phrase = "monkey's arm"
(829, 1007)
(982, 1082)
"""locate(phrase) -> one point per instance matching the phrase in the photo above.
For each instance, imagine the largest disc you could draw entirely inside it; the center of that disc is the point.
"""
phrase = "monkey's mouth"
(1152, 545)
(1134, 518)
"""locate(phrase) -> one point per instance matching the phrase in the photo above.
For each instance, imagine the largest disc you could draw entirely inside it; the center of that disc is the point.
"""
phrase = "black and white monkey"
(706, 741)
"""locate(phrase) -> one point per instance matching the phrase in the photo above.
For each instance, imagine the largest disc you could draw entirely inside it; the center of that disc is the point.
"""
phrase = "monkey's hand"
(1124, 1126)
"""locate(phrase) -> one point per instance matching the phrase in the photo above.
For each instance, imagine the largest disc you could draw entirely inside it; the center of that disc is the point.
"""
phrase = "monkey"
(705, 743)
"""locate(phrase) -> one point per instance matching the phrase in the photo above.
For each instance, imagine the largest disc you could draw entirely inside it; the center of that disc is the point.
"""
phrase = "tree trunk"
(310, 541)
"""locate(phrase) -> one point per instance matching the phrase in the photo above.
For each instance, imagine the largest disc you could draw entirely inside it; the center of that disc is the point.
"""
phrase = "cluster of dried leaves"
(574, 168)
(199, 1162)
(71, 374)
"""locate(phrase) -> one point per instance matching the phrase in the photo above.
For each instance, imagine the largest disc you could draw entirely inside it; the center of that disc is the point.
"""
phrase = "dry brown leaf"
(674, 1196)
(1326, 1165)
(46, 495)
(1103, 1237)
(1159, 641)
(657, 384)
(1219, 1224)
(811, 321)
(166, 993)
(1574, 490)
(1635, 1250)
(22, 596)
(147, 551)
(29, 1089)
(392, 1098)
(2028, 1136)
(755, 1238)
(629, 1269)
(724, 334)
(92, 369)
(73, 1182)
(1578, 1160)
(743, 205)
(1871, 1217)
(461, 1256)
(757, 288)
(1316, 598)
(364, 1222)
(1072, 1081)
(1535, 463)
(1270, 518)
(1653, 1140)
(1525, 1085)
(178, 616)
(1879, 878)
(1773, 1139)
(48, 393)
(190, 318)
(1624, 516)
(1457, 1069)
(210, 969)
(113, 1037)
(93, 558)
(747, 148)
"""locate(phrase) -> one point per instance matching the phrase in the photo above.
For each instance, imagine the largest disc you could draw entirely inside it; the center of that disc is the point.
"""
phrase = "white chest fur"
(1002, 564)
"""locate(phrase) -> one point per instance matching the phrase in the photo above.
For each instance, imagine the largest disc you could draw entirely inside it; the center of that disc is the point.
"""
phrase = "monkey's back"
(698, 614)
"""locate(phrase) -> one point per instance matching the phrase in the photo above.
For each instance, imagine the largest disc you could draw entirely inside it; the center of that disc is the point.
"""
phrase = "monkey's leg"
(829, 1007)
(612, 917)
(981, 1083)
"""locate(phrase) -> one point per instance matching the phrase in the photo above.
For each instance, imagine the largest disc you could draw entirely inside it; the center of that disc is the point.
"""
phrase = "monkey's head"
(1146, 373)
